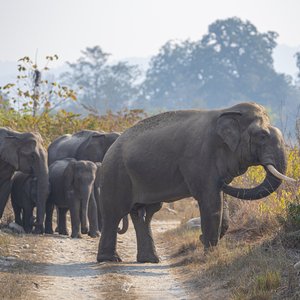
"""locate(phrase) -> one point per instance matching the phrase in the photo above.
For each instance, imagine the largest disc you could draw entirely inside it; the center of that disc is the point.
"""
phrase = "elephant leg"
(211, 210)
(97, 200)
(62, 225)
(5, 187)
(146, 251)
(17, 213)
(75, 219)
(57, 219)
(49, 215)
(225, 219)
(27, 216)
(108, 241)
(93, 218)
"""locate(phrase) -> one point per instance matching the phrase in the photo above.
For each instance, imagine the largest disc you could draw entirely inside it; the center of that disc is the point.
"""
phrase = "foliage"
(101, 86)
(232, 62)
(31, 93)
(298, 62)
(52, 126)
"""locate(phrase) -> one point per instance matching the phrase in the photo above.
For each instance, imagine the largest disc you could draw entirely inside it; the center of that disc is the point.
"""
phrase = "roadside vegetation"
(255, 259)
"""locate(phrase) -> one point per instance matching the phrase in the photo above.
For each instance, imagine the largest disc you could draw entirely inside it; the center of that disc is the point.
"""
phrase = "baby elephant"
(23, 198)
(72, 188)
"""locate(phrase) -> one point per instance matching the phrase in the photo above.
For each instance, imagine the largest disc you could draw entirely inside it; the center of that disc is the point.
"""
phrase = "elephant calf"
(24, 199)
(72, 188)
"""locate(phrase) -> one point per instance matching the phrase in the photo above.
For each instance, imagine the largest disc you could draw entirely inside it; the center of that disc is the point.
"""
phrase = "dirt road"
(68, 270)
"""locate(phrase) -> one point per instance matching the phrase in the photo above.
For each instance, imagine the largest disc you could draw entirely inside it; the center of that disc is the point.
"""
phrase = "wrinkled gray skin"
(72, 184)
(83, 145)
(23, 152)
(23, 199)
(180, 154)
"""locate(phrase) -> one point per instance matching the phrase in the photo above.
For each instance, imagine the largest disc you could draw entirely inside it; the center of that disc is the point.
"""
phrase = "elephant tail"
(125, 225)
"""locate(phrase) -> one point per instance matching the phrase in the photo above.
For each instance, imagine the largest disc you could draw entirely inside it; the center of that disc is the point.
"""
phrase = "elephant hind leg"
(146, 251)
(108, 241)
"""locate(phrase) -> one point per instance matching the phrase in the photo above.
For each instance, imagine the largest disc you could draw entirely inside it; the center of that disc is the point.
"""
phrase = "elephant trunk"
(41, 173)
(268, 186)
(85, 194)
(272, 181)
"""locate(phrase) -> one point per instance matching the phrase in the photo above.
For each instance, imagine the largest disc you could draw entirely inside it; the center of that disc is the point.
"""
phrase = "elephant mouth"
(271, 182)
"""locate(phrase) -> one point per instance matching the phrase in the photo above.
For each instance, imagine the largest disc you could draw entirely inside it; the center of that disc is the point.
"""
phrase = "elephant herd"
(71, 183)
(104, 177)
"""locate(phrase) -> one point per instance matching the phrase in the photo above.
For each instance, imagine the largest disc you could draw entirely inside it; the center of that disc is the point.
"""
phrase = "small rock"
(16, 228)
(26, 246)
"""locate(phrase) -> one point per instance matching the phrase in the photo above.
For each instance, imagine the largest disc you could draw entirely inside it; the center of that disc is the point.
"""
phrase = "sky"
(128, 28)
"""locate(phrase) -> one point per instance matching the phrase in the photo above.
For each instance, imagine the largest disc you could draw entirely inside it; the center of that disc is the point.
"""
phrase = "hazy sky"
(129, 28)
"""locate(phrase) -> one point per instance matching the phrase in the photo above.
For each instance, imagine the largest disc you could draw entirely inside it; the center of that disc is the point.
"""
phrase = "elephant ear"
(69, 174)
(91, 148)
(9, 150)
(228, 129)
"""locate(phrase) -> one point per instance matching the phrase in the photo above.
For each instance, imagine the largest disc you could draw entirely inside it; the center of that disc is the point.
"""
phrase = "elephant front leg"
(4, 194)
(93, 217)
(49, 215)
(62, 226)
(17, 213)
(27, 219)
(146, 251)
(75, 219)
(211, 217)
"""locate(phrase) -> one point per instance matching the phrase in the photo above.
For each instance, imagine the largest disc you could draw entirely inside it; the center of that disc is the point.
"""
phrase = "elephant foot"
(39, 229)
(84, 230)
(28, 229)
(104, 257)
(94, 234)
(49, 230)
(76, 236)
(63, 232)
(147, 258)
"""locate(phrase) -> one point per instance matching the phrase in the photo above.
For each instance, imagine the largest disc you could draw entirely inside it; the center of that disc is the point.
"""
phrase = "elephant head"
(249, 140)
(96, 145)
(25, 152)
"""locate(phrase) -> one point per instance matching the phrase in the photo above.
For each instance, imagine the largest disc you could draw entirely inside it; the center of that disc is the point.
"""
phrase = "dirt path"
(68, 270)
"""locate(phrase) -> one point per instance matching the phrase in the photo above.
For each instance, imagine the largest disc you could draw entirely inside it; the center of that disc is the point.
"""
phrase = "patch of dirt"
(59, 267)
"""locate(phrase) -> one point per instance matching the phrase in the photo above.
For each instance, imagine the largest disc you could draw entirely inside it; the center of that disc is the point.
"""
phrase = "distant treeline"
(231, 63)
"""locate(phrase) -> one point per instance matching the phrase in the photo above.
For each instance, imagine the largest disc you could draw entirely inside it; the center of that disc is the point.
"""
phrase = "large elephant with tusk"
(179, 154)
(24, 152)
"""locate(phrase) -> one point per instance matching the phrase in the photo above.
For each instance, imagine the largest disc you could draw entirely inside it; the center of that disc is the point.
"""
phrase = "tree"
(232, 62)
(102, 86)
(33, 94)
(297, 55)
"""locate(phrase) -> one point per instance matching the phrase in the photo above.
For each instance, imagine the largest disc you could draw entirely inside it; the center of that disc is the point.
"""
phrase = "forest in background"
(231, 63)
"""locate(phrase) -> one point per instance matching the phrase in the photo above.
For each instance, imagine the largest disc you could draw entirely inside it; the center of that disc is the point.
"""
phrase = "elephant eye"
(263, 135)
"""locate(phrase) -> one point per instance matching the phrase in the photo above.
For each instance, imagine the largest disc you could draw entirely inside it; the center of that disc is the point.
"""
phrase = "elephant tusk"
(279, 175)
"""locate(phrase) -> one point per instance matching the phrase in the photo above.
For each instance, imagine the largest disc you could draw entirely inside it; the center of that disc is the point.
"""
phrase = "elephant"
(83, 145)
(24, 199)
(72, 184)
(186, 153)
(24, 152)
